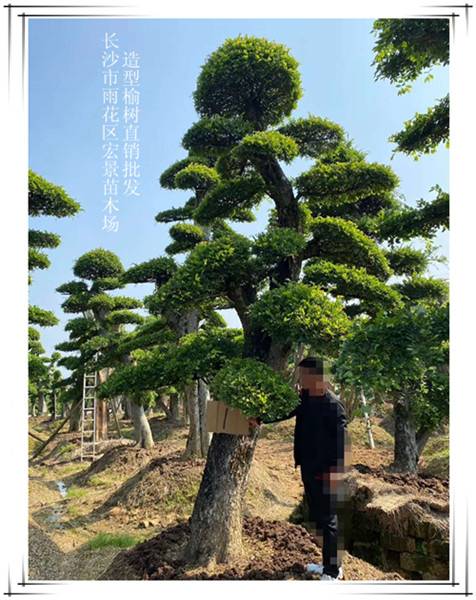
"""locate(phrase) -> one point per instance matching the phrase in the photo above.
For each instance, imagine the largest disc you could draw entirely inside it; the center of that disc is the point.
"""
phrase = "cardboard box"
(222, 418)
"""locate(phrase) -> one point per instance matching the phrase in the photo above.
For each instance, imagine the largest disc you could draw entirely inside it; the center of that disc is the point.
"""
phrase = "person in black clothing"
(319, 450)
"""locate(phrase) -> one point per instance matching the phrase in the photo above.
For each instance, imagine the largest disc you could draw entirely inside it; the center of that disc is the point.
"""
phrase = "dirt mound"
(273, 550)
(167, 483)
(416, 483)
(122, 459)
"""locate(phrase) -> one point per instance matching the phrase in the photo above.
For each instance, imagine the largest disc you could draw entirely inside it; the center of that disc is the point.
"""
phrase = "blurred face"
(312, 381)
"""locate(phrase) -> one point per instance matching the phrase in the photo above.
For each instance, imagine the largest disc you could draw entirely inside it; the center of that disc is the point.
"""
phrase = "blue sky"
(65, 104)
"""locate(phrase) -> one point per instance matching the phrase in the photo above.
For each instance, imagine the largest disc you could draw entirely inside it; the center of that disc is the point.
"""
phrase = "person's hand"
(254, 422)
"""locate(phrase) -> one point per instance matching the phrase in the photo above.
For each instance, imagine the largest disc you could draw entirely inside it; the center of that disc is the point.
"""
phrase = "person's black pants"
(323, 510)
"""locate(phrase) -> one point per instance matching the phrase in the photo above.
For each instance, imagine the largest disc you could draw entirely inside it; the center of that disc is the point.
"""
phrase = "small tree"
(171, 328)
(404, 356)
(98, 332)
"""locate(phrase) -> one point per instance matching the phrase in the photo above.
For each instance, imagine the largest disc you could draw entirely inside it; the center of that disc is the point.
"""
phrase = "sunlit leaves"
(214, 135)
(251, 78)
(157, 270)
(186, 236)
(97, 264)
(229, 195)
(254, 388)
(344, 182)
(300, 313)
(425, 131)
(313, 135)
(45, 198)
(196, 177)
(39, 316)
(351, 283)
(341, 241)
(263, 145)
(406, 48)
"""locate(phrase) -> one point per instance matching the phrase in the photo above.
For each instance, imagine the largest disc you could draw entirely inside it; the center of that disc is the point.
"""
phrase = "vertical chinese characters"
(110, 131)
(120, 128)
(131, 146)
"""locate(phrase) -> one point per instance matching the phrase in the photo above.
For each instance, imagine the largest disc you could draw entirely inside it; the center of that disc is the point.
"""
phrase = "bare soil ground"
(147, 496)
(273, 550)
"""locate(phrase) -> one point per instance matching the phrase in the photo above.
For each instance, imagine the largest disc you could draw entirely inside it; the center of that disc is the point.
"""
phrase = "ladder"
(88, 416)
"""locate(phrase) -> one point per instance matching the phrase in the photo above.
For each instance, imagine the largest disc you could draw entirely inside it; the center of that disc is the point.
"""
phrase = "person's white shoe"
(315, 568)
(326, 577)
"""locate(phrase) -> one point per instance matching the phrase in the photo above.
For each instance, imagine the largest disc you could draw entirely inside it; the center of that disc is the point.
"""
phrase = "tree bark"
(368, 422)
(193, 447)
(422, 437)
(126, 407)
(160, 403)
(54, 415)
(203, 397)
(185, 415)
(405, 449)
(175, 408)
(43, 405)
(142, 429)
(217, 518)
(75, 418)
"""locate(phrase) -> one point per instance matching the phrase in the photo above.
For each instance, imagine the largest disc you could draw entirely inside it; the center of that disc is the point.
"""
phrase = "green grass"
(115, 540)
(73, 511)
(436, 456)
(75, 492)
(181, 501)
(103, 480)
(359, 437)
(66, 448)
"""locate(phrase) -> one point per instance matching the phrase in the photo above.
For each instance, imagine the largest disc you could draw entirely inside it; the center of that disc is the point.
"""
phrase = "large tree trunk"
(405, 449)
(43, 405)
(142, 429)
(75, 418)
(217, 518)
(175, 408)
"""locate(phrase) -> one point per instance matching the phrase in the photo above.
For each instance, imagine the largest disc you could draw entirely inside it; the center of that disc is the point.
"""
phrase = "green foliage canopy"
(251, 78)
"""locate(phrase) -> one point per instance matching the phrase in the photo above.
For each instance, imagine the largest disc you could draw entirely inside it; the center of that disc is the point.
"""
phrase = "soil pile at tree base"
(272, 550)
(411, 482)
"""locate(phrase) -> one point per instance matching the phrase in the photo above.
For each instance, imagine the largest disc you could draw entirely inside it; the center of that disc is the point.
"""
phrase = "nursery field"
(125, 515)
(289, 276)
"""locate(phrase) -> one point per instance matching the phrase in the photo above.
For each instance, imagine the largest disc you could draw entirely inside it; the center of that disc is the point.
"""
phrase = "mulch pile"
(273, 550)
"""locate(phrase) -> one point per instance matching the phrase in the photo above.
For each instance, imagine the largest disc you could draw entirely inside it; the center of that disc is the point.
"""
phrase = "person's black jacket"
(319, 433)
